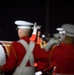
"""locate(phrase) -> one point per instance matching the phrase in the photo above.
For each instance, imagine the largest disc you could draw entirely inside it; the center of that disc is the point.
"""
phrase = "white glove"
(38, 73)
(38, 26)
(35, 28)
(51, 43)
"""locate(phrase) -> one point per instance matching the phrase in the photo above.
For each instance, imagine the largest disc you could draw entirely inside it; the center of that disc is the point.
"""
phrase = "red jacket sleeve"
(33, 38)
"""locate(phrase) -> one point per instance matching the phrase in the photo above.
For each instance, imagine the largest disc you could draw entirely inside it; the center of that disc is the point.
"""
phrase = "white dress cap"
(61, 31)
(69, 29)
(23, 24)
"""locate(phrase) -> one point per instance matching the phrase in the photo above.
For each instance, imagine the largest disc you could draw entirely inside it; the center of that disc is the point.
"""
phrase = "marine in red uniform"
(63, 55)
(17, 51)
(41, 63)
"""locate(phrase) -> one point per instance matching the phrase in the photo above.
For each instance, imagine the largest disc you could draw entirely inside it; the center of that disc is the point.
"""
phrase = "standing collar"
(26, 38)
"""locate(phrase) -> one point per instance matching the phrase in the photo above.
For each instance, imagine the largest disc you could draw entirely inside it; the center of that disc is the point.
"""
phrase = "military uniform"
(63, 58)
(17, 53)
(63, 55)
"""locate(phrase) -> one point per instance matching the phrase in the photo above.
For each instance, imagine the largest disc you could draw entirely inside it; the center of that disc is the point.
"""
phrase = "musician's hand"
(35, 28)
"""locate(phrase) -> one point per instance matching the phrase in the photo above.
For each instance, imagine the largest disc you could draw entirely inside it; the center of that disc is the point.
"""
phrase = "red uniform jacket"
(63, 58)
(42, 63)
(17, 53)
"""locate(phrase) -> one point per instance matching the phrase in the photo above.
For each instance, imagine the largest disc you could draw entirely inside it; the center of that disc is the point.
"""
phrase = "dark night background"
(50, 14)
